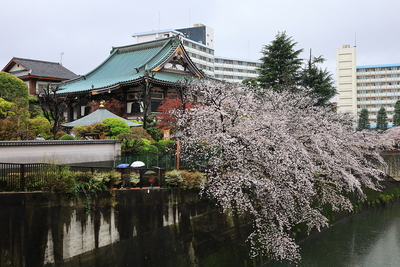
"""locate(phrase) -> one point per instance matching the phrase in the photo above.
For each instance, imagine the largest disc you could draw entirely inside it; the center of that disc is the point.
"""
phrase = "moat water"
(369, 239)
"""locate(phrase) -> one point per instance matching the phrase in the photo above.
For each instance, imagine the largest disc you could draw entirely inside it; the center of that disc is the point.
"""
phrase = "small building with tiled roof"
(162, 63)
(37, 74)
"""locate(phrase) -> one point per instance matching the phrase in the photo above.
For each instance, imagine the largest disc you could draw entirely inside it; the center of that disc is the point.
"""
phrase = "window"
(135, 107)
(155, 105)
(157, 95)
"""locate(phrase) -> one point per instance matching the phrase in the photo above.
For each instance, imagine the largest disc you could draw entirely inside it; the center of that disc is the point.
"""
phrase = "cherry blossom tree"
(278, 158)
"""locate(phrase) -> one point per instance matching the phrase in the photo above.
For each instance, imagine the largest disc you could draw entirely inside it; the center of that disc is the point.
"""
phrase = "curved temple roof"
(97, 116)
(129, 64)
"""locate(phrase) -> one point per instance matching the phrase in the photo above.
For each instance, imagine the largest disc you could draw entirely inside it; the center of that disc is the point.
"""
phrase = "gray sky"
(86, 30)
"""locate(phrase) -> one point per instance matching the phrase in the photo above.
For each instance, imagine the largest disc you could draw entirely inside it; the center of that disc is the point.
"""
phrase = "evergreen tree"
(281, 70)
(381, 120)
(396, 116)
(12, 87)
(281, 65)
(363, 120)
(318, 80)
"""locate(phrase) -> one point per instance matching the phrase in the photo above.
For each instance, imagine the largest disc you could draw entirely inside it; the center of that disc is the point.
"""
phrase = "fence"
(165, 161)
(33, 176)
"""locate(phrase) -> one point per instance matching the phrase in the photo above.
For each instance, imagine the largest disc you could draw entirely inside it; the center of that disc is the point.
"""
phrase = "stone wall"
(156, 227)
(392, 158)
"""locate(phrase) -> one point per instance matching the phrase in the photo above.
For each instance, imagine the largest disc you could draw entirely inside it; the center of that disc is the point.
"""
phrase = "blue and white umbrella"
(123, 165)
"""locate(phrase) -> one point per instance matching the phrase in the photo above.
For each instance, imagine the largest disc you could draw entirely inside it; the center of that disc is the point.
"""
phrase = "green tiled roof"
(127, 64)
(97, 116)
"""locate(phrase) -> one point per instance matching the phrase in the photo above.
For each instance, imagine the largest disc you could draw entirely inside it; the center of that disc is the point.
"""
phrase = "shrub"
(140, 132)
(40, 126)
(79, 131)
(147, 148)
(100, 128)
(67, 137)
(134, 178)
(129, 144)
(117, 126)
(57, 180)
(184, 179)
(59, 134)
(165, 146)
(173, 178)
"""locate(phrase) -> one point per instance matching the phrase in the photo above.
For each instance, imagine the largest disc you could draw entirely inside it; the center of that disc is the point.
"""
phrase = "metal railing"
(33, 176)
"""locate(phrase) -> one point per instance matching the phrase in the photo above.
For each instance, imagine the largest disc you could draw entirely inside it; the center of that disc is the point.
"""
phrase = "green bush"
(184, 179)
(100, 128)
(40, 126)
(165, 146)
(79, 131)
(129, 144)
(58, 135)
(139, 132)
(117, 126)
(67, 137)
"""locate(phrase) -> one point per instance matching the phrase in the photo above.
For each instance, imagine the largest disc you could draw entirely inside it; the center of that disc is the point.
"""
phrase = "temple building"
(157, 66)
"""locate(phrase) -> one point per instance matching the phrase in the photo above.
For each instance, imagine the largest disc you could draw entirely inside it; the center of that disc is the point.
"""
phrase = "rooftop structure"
(163, 63)
(97, 116)
(371, 87)
(199, 43)
(37, 73)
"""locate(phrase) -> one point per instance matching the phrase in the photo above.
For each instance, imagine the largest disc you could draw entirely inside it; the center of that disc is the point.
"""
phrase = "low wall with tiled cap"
(59, 151)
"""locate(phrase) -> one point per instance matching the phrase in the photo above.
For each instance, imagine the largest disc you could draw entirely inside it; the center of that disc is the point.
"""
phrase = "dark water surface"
(369, 239)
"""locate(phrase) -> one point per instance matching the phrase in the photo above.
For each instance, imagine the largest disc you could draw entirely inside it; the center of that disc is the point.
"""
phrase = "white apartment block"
(199, 43)
(370, 87)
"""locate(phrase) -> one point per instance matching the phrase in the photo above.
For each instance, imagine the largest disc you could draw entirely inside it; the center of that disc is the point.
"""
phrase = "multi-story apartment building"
(199, 43)
(371, 87)
(235, 70)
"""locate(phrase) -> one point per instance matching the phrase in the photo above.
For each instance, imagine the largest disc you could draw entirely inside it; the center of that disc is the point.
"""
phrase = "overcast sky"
(86, 30)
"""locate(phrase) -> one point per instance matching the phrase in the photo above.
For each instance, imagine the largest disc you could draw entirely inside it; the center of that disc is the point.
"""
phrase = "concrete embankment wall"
(147, 227)
(57, 151)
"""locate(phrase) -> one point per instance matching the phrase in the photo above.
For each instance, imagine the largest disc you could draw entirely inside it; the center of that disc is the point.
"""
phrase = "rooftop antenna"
(355, 39)
(62, 53)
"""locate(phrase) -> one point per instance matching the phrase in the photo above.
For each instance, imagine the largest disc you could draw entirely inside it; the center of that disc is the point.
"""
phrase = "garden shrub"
(100, 128)
(129, 144)
(139, 132)
(58, 135)
(184, 179)
(67, 137)
(79, 131)
(40, 126)
(117, 126)
(165, 146)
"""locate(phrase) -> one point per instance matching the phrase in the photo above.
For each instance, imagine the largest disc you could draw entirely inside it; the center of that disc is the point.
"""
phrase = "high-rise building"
(371, 87)
(199, 43)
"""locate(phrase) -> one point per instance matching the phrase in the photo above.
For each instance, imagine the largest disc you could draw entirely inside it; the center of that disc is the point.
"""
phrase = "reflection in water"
(368, 239)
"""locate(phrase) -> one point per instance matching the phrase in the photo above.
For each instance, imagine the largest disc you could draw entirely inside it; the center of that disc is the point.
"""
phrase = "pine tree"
(281, 70)
(396, 116)
(381, 120)
(319, 80)
(281, 64)
(363, 120)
